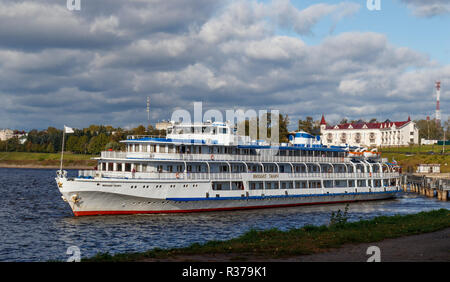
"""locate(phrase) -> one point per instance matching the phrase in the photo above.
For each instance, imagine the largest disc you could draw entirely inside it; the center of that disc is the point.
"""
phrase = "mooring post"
(444, 195)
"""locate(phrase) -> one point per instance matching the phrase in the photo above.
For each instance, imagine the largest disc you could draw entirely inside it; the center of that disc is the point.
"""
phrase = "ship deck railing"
(252, 176)
(221, 157)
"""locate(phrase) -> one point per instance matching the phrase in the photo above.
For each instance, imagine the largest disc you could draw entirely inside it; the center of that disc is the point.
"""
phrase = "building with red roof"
(370, 134)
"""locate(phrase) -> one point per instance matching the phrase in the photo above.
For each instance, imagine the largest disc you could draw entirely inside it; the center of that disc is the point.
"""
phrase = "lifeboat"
(355, 154)
(372, 153)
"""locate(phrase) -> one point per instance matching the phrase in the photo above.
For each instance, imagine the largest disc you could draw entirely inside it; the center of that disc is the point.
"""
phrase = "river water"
(37, 225)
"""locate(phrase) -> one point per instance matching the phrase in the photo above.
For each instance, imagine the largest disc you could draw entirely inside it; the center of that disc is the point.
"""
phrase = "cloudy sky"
(98, 64)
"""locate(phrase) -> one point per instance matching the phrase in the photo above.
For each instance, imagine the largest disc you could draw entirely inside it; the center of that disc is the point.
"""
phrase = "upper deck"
(219, 142)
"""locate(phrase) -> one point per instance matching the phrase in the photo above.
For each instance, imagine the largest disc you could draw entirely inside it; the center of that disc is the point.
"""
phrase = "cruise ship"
(209, 167)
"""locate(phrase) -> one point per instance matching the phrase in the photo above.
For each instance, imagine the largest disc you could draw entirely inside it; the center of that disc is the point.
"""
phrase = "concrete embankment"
(430, 185)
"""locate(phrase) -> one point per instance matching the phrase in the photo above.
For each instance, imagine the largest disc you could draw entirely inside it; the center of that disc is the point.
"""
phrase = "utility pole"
(443, 144)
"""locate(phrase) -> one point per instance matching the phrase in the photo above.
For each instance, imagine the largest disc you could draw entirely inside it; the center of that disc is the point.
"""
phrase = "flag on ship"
(68, 129)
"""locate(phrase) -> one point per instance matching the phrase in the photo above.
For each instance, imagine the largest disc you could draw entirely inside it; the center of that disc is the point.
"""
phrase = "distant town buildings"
(428, 168)
(370, 134)
(6, 134)
(424, 141)
(162, 125)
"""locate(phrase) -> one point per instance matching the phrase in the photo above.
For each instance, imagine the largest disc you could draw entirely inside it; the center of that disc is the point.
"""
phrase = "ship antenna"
(148, 112)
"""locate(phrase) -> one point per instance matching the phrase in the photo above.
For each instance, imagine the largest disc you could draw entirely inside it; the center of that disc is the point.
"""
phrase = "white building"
(424, 141)
(163, 125)
(374, 134)
(6, 134)
(428, 168)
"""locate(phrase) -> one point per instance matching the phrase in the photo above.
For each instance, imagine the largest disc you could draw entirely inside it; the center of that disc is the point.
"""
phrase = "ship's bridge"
(304, 139)
(221, 133)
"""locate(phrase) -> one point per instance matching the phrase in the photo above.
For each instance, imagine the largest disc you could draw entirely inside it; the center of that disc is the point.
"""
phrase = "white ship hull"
(113, 197)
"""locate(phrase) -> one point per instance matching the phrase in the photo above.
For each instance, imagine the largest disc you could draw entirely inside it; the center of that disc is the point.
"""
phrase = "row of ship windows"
(197, 149)
(269, 185)
(160, 186)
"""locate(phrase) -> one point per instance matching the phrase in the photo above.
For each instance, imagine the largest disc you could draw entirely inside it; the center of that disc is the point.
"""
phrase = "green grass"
(20, 156)
(410, 156)
(411, 161)
(302, 241)
(45, 159)
(416, 149)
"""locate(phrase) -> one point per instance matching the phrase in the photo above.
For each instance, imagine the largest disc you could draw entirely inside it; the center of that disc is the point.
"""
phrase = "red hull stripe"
(84, 213)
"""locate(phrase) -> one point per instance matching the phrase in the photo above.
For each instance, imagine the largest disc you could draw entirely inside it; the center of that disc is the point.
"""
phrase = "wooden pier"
(426, 185)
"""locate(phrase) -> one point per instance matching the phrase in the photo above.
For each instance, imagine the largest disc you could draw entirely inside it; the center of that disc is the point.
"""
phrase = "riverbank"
(426, 247)
(294, 244)
(45, 160)
(409, 157)
(409, 162)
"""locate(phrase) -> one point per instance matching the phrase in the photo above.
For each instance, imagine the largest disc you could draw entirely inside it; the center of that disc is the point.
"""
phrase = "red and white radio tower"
(438, 110)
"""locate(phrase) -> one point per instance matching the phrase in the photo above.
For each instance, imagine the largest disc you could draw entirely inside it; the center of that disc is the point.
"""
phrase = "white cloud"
(104, 64)
(352, 87)
(302, 21)
(106, 24)
(429, 8)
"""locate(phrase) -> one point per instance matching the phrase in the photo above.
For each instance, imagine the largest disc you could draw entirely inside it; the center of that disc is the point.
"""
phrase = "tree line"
(90, 140)
(97, 138)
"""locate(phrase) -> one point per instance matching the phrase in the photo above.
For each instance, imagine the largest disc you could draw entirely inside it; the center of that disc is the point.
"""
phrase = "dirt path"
(426, 247)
